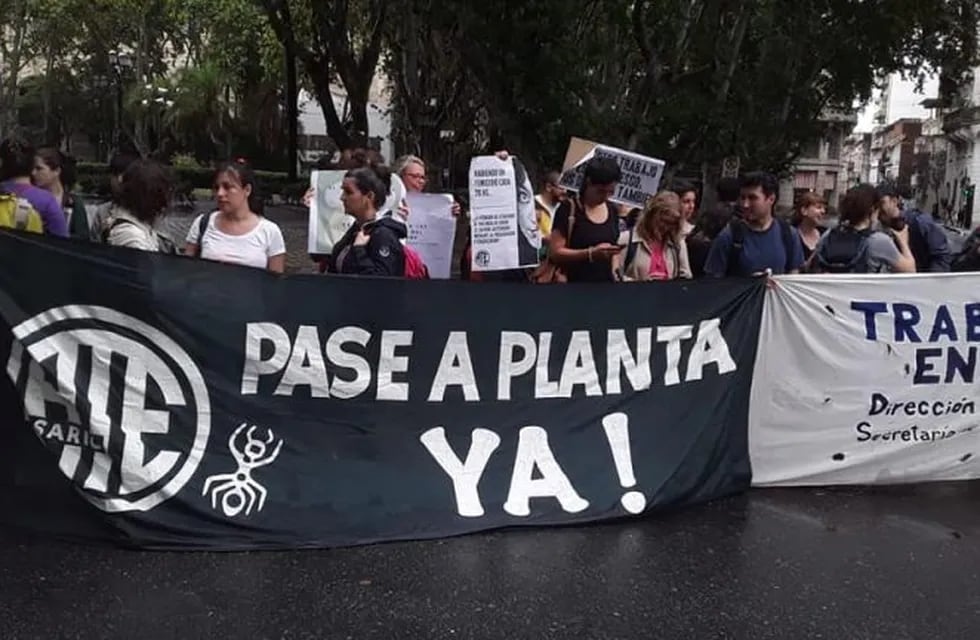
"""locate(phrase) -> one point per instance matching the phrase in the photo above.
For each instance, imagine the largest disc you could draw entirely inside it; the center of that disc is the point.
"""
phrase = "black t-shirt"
(585, 234)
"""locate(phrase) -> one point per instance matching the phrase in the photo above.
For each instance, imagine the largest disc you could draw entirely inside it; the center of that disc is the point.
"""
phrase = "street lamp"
(121, 63)
(448, 137)
(99, 85)
(156, 101)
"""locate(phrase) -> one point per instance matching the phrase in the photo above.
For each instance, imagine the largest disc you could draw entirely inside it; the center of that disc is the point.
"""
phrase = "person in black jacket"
(372, 246)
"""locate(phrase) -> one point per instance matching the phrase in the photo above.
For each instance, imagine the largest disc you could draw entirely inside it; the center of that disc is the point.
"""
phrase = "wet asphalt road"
(850, 564)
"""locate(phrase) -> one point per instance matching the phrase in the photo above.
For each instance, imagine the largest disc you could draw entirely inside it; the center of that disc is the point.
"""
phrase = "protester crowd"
(586, 237)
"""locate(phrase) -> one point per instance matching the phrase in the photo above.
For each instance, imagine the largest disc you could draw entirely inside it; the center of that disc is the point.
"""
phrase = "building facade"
(901, 98)
(314, 141)
(820, 167)
(961, 126)
(893, 153)
(856, 159)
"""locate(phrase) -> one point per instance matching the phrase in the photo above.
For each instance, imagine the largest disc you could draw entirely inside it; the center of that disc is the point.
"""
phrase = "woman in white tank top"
(237, 233)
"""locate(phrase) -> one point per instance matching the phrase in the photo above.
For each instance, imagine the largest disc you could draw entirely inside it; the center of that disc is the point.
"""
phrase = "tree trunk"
(318, 68)
(292, 110)
(335, 127)
(46, 101)
(8, 106)
(358, 97)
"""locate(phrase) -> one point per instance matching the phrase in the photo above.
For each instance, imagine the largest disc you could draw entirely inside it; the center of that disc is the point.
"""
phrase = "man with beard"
(758, 242)
(928, 241)
(546, 203)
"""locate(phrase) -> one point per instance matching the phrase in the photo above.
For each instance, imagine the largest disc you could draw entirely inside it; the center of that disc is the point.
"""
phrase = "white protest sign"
(503, 224)
(866, 380)
(432, 231)
(641, 174)
(328, 221)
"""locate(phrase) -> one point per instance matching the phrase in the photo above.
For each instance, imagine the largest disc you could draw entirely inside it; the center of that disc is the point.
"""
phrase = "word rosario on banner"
(537, 473)
(278, 363)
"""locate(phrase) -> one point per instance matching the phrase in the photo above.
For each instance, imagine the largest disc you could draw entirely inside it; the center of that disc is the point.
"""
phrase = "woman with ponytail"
(237, 233)
(372, 246)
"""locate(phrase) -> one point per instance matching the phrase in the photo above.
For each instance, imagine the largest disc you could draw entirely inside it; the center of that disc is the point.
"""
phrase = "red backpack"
(415, 269)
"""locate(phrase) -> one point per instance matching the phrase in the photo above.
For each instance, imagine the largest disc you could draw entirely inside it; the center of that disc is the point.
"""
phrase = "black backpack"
(845, 250)
(737, 226)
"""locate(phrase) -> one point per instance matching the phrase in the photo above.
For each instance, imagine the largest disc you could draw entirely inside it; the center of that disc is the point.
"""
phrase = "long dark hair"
(375, 180)
(56, 160)
(244, 175)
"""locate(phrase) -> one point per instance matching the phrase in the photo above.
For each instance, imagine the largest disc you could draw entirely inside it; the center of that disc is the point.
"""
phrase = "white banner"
(641, 174)
(432, 231)
(867, 380)
(503, 224)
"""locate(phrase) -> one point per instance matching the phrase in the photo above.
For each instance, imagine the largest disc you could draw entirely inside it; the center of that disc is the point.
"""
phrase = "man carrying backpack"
(758, 242)
(928, 241)
(854, 246)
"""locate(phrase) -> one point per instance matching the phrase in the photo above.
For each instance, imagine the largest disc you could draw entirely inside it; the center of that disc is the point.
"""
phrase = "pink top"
(658, 262)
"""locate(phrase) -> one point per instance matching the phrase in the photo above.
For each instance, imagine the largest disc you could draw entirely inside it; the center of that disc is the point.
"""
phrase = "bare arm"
(560, 253)
(906, 261)
(277, 264)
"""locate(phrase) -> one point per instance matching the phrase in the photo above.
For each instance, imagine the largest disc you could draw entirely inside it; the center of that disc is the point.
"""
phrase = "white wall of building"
(963, 152)
(899, 99)
(313, 123)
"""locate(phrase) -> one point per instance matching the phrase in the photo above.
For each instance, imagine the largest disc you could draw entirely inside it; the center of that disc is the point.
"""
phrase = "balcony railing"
(961, 119)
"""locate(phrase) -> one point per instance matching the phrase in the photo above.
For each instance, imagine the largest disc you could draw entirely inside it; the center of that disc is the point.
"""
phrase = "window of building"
(833, 150)
(811, 149)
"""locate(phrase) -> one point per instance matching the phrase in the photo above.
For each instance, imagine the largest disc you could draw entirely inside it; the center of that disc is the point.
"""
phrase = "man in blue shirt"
(758, 241)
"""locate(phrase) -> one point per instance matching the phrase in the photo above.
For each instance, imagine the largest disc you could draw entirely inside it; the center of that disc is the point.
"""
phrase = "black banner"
(177, 403)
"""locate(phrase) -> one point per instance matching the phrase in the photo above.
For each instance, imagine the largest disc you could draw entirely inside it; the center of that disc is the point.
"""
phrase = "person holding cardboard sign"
(583, 243)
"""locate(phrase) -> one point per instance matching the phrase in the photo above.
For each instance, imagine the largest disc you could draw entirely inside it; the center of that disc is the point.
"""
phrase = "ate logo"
(120, 403)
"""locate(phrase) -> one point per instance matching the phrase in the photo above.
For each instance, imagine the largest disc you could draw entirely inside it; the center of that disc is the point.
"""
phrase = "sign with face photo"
(503, 226)
(328, 220)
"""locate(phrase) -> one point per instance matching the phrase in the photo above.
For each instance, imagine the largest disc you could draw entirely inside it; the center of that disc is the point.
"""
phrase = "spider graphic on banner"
(239, 491)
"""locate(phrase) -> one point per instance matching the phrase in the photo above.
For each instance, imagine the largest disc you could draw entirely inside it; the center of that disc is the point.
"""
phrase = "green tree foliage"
(690, 81)
(338, 43)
